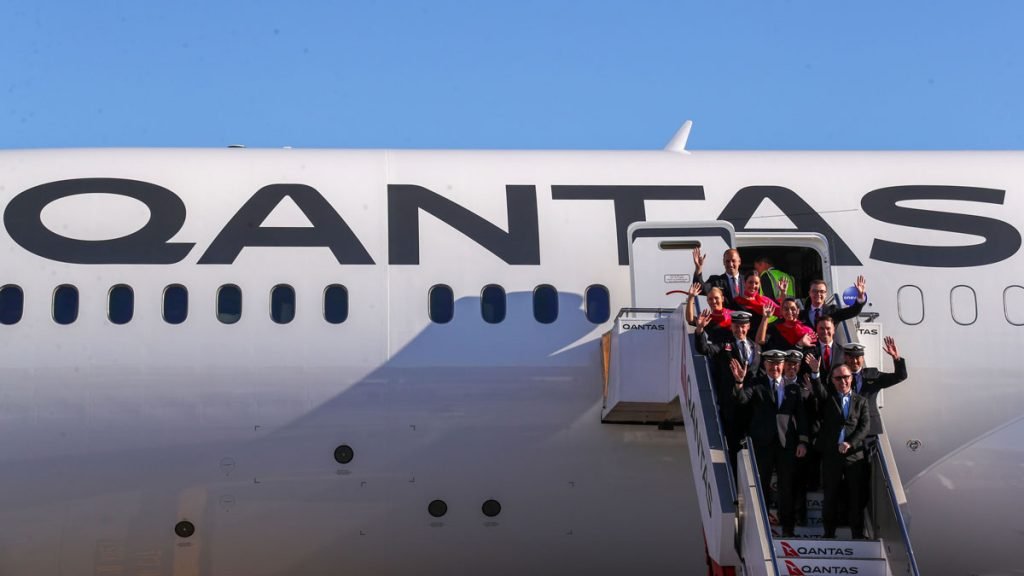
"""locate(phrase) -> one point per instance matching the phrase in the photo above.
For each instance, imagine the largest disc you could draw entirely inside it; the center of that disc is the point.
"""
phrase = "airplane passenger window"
(175, 304)
(12, 304)
(282, 304)
(65, 304)
(596, 303)
(492, 304)
(442, 304)
(545, 304)
(910, 305)
(336, 304)
(121, 304)
(963, 305)
(229, 304)
(1013, 305)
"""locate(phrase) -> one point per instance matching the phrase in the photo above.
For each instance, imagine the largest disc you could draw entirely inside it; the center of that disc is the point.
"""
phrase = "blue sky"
(512, 74)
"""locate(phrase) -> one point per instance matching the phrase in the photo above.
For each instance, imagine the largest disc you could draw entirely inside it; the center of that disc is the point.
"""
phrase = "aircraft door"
(661, 261)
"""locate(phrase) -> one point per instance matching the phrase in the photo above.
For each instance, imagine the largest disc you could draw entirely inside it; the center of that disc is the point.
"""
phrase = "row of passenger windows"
(121, 304)
(963, 305)
(440, 308)
(493, 304)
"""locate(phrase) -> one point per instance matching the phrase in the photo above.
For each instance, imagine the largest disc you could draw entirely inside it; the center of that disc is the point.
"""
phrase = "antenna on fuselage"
(678, 142)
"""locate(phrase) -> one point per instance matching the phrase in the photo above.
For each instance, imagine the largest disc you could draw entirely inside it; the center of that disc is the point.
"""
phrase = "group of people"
(808, 404)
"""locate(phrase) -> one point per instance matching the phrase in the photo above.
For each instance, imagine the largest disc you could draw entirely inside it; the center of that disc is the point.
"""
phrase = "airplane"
(258, 361)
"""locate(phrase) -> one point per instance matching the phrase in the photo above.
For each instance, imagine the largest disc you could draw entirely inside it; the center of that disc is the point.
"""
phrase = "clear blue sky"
(512, 74)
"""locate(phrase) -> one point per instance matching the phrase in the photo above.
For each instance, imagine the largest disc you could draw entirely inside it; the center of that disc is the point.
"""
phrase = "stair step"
(815, 500)
(811, 566)
(842, 532)
(814, 519)
(828, 548)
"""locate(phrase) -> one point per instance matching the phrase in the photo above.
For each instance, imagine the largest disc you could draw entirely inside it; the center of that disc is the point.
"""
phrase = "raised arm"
(815, 377)
(740, 392)
(844, 314)
(762, 329)
(899, 363)
(691, 308)
(704, 346)
(698, 265)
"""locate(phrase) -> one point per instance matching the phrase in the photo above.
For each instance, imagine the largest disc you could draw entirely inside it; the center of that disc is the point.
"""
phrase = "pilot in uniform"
(778, 429)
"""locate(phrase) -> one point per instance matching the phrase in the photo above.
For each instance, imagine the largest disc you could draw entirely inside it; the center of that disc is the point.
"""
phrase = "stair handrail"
(701, 360)
(714, 478)
(746, 452)
(880, 463)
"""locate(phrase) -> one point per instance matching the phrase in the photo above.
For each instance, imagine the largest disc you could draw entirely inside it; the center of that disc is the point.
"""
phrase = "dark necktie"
(826, 357)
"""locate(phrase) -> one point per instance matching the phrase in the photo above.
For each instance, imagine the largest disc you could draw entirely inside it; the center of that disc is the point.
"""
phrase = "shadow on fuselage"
(462, 412)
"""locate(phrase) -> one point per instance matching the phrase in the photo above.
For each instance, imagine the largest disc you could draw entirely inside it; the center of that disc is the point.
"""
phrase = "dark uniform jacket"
(873, 380)
(721, 354)
(720, 281)
(786, 424)
(830, 407)
(838, 314)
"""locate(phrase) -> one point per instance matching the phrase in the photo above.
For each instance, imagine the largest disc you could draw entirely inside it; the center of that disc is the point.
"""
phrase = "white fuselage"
(113, 434)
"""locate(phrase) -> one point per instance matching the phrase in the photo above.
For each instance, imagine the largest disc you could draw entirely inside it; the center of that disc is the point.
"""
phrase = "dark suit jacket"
(874, 380)
(771, 423)
(721, 354)
(836, 358)
(719, 281)
(838, 314)
(830, 407)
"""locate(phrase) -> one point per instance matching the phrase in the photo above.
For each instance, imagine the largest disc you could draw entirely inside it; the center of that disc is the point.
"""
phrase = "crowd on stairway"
(808, 404)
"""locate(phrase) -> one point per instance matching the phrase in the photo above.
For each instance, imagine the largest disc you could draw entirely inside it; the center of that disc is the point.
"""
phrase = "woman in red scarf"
(761, 306)
(790, 333)
(721, 317)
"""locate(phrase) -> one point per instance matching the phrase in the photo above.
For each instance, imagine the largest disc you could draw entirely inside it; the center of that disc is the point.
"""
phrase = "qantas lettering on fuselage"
(519, 245)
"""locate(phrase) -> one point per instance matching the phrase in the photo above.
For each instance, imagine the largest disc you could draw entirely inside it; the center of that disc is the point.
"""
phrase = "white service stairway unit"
(639, 387)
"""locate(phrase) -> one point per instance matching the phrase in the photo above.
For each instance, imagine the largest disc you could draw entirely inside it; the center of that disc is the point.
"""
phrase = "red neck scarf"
(792, 331)
(721, 318)
(755, 304)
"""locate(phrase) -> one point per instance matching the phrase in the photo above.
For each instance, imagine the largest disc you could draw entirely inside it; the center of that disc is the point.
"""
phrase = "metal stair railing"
(755, 533)
(887, 518)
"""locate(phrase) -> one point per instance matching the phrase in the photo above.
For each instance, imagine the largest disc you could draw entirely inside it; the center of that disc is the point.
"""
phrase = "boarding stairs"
(654, 375)
(885, 552)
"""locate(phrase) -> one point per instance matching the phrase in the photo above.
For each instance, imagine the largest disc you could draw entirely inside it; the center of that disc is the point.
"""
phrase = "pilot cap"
(773, 356)
(794, 356)
(741, 317)
(853, 349)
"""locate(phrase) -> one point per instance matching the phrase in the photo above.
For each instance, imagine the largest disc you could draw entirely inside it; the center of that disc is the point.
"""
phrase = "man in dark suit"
(826, 348)
(778, 428)
(844, 424)
(731, 283)
(868, 382)
(816, 307)
(721, 354)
